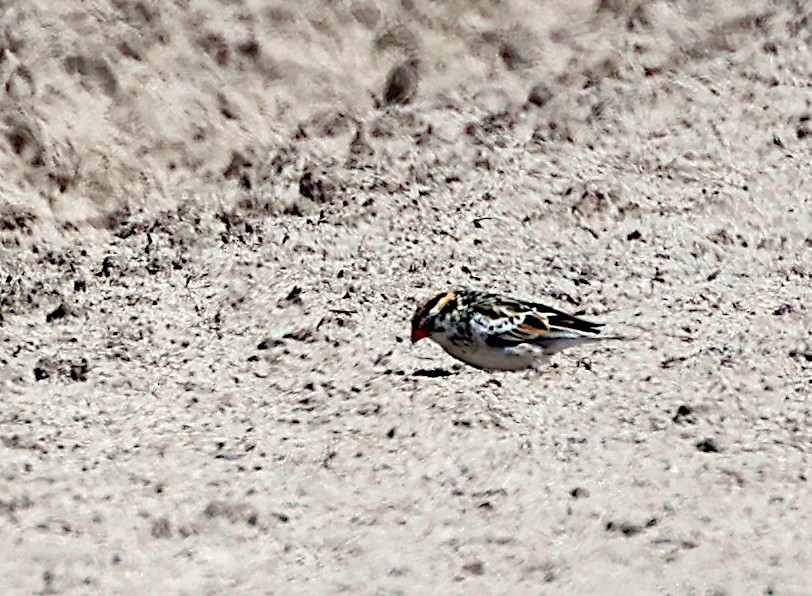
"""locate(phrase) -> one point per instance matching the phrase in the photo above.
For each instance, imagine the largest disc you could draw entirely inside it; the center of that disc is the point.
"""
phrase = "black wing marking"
(563, 321)
(507, 323)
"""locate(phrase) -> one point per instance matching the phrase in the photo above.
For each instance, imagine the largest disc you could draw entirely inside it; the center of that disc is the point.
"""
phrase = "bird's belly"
(491, 358)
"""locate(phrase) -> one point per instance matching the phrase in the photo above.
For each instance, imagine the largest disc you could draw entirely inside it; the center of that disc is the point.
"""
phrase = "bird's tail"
(561, 340)
(612, 337)
(568, 327)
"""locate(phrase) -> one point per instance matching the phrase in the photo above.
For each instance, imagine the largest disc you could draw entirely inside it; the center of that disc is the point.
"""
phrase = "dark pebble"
(58, 313)
(683, 412)
(269, 342)
(708, 446)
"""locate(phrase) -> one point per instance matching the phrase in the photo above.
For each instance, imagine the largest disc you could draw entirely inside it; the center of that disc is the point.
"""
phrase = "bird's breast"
(490, 358)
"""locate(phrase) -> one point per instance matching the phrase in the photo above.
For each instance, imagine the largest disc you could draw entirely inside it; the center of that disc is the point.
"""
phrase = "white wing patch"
(485, 326)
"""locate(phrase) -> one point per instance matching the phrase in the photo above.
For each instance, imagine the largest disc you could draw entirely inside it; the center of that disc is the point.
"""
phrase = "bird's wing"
(503, 322)
(563, 322)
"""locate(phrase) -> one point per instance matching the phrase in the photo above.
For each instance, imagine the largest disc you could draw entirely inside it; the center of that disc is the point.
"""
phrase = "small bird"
(494, 332)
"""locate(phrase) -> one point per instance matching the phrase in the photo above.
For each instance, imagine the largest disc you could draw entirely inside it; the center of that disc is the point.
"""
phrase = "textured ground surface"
(213, 235)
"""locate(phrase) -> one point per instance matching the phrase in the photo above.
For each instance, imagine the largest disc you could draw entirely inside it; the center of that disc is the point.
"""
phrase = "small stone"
(539, 95)
(269, 342)
(806, 354)
(315, 186)
(514, 55)
(58, 313)
(106, 267)
(682, 413)
(784, 309)
(625, 528)
(294, 294)
(475, 568)
(708, 446)
(161, 528)
(77, 371)
(401, 83)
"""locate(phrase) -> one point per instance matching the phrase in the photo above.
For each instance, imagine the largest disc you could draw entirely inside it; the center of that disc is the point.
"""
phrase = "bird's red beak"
(418, 334)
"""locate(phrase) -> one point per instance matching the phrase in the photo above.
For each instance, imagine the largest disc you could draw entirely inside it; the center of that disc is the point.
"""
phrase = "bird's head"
(430, 316)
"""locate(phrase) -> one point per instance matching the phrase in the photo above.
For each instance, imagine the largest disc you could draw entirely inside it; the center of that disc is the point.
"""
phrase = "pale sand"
(182, 186)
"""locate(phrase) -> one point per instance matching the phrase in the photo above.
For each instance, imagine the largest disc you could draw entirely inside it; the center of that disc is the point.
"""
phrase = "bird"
(497, 333)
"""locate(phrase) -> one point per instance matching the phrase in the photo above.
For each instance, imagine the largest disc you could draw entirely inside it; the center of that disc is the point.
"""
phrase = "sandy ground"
(214, 233)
